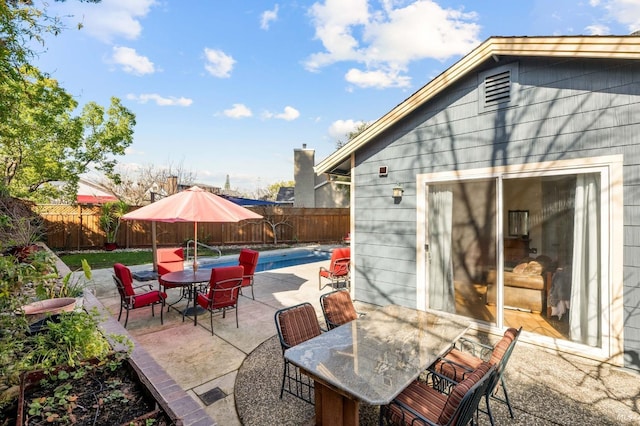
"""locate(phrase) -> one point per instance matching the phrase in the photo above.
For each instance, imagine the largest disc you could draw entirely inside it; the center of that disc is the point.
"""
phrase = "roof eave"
(612, 47)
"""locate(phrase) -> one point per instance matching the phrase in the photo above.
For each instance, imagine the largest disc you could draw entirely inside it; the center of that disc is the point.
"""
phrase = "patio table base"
(333, 408)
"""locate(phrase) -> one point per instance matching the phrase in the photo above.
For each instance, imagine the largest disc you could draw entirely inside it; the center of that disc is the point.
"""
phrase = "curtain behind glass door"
(461, 234)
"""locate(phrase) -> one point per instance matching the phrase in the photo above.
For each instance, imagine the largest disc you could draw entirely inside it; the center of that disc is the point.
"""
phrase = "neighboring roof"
(95, 199)
(88, 192)
(285, 194)
(609, 47)
(93, 193)
(248, 202)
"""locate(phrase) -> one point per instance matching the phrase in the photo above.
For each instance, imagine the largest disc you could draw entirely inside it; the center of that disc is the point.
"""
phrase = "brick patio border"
(174, 400)
(179, 406)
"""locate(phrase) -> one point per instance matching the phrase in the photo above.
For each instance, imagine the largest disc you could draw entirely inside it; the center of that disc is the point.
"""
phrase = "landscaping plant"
(68, 338)
(71, 285)
(110, 219)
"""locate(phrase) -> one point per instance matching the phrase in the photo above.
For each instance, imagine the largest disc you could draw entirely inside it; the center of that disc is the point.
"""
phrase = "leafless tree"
(135, 186)
(275, 217)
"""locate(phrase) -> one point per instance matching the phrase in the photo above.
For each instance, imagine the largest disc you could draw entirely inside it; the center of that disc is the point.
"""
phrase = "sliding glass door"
(518, 249)
(461, 241)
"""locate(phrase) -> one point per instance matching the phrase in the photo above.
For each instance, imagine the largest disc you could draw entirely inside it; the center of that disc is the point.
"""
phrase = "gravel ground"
(544, 388)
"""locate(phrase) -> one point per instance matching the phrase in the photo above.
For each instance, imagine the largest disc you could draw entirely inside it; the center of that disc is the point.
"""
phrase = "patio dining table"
(188, 280)
(372, 359)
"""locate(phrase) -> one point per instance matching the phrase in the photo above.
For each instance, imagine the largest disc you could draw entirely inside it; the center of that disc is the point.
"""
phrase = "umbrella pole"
(195, 247)
(154, 246)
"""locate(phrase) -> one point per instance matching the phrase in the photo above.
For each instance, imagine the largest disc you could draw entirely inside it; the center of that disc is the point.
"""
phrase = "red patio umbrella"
(192, 205)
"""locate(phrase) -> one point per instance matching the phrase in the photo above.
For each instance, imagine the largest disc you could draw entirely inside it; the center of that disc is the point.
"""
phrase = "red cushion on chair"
(170, 260)
(124, 275)
(338, 307)
(226, 300)
(222, 274)
(170, 255)
(501, 347)
(202, 300)
(341, 269)
(341, 253)
(466, 361)
(299, 325)
(223, 298)
(338, 267)
(248, 259)
(420, 396)
(148, 298)
(457, 364)
(464, 358)
(460, 390)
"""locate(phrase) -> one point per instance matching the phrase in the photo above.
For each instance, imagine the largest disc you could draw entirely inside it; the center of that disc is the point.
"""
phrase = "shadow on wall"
(632, 360)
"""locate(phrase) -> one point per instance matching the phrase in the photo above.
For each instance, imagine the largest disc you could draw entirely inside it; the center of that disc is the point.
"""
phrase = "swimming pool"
(273, 259)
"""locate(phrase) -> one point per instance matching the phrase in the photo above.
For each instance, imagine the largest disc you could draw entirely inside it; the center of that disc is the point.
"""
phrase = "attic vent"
(497, 88)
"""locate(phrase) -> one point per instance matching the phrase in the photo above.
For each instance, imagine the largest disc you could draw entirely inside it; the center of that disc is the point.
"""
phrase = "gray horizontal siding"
(566, 109)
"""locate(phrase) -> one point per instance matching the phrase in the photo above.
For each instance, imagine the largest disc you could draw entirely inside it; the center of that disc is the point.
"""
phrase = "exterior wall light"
(397, 191)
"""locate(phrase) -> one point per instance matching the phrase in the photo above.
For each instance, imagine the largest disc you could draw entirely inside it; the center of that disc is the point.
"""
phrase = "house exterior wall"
(331, 194)
(565, 109)
(312, 190)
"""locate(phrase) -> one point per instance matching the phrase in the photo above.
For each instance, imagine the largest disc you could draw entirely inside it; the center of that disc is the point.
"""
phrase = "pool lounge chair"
(339, 267)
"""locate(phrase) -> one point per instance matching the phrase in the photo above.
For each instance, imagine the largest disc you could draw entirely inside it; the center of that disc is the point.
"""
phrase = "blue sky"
(232, 87)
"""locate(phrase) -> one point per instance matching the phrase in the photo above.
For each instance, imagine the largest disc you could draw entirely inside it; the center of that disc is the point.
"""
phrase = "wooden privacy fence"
(78, 227)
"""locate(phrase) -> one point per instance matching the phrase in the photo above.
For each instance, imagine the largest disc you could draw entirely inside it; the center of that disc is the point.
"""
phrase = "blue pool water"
(273, 260)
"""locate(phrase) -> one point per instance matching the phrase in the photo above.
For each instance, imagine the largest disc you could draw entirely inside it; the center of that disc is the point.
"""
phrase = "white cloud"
(219, 64)
(132, 151)
(131, 62)
(334, 22)
(289, 114)
(340, 129)
(267, 17)
(421, 30)
(385, 41)
(626, 12)
(160, 100)
(111, 19)
(377, 78)
(597, 29)
(238, 111)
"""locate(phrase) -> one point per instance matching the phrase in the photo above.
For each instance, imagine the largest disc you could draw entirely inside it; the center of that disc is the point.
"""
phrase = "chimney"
(304, 177)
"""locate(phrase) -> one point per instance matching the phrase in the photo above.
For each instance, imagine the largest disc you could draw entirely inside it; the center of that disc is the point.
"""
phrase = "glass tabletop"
(188, 276)
(373, 358)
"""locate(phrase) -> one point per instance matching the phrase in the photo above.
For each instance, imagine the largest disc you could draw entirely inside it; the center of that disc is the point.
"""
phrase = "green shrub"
(74, 338)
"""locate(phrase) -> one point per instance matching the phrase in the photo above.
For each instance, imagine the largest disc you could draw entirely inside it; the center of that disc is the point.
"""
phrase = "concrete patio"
(545, 387)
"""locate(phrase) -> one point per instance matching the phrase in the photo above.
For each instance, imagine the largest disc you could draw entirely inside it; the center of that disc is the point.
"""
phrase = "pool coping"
(207, 262)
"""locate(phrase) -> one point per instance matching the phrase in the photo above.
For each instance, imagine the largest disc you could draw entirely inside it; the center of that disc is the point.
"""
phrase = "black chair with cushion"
(466, 355)
(438, 400)
(296, 324)
(337, 308)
